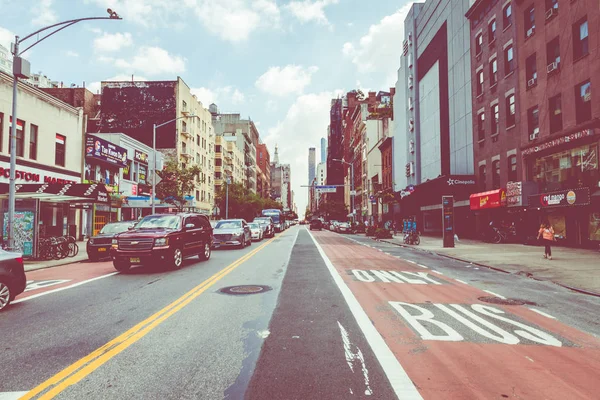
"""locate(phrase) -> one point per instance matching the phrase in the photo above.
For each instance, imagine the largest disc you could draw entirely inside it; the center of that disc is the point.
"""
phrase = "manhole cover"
(506, 302)
(245, 289)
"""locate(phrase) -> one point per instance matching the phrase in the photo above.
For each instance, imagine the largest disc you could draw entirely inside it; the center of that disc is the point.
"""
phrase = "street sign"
(326, 189)
(158, 178)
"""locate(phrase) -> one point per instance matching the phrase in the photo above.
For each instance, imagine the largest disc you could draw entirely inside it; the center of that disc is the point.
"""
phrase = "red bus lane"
(453, 345)
(44, 281)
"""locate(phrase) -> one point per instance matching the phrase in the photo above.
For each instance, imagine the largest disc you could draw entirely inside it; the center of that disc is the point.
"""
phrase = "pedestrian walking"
(547, 233)
(395, 227)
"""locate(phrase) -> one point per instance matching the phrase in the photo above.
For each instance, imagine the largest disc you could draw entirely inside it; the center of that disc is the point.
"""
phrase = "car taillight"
(19, 260)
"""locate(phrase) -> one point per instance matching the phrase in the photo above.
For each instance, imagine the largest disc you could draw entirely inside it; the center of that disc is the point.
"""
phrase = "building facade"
(335, 150)
(263, 160)
(323, 150)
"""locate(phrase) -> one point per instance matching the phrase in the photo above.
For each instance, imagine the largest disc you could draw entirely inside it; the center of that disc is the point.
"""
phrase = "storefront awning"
(56, 192)
(492, 199)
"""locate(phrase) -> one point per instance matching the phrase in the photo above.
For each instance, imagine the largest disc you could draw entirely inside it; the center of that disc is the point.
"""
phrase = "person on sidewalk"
(547, 233)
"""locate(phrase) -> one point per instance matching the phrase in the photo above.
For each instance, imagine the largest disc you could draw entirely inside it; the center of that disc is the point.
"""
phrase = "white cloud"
(304, 125)
(280, 81)
(43, 14)
(113, 41)
(142, 12)
(379, 50)
(228, 95)
(71, 53)
(309, 11)
(94, 87)
(153, 61)
(6, 37)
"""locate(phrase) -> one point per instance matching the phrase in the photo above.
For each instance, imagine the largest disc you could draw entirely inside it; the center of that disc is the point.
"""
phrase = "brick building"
(263, 160)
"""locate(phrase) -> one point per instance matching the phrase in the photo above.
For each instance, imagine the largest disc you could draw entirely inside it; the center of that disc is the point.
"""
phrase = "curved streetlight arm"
(63, 25)
(174, 119)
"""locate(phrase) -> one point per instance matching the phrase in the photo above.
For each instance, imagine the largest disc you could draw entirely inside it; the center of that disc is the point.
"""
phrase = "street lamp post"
(227, 183)
(351, 185)
(21, 70)
(154, 127)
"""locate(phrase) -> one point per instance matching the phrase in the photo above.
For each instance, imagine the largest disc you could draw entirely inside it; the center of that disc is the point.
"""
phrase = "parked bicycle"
(57, 248)
(412, 237)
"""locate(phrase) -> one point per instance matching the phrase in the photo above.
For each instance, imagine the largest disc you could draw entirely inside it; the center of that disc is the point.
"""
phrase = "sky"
(279, 62)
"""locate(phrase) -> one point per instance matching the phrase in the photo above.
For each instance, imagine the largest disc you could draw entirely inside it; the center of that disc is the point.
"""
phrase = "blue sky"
(278, 62)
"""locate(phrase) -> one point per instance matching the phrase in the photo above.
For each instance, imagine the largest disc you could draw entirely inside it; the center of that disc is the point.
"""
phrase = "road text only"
(414, 278)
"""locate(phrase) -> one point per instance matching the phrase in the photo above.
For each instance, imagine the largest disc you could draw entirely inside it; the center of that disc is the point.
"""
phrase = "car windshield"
(159, 221)
(254, 225)
(229, 225)
(116, 228)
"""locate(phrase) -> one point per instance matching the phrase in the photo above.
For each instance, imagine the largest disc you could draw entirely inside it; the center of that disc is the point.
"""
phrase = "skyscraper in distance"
(323, 150)
(311, 164)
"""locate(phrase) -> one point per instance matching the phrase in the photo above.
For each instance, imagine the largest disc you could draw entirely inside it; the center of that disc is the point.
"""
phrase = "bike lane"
(452, 344)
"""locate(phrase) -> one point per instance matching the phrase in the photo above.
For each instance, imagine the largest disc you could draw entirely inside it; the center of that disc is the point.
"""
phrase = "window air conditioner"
(553, 66)
(530, 31)
(551, 12)
(531, 82)
(535, 134)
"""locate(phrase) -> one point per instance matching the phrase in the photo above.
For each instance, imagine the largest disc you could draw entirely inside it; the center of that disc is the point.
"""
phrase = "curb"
(578, 290)
(36, 268)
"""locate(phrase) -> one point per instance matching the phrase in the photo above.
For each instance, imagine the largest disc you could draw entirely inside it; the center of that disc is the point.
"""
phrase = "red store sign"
(558, 141)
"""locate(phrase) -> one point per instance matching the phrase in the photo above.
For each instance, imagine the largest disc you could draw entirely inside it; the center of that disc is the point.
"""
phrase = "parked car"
(12, 277)
(316, 224)
(333, 226)
(344, 227)
(257, 231)
(98, 246)
(268, 225)
(163, 238)
(232, 232)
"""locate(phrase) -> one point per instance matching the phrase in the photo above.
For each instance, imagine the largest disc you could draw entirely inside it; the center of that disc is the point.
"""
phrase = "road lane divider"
(86, 365)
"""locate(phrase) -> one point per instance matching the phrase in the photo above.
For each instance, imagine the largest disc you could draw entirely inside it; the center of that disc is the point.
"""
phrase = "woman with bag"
(547, 233)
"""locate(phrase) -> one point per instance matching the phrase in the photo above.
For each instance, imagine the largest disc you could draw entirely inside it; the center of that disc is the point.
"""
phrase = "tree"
(332, 209)
(177, 182)
(242, 202)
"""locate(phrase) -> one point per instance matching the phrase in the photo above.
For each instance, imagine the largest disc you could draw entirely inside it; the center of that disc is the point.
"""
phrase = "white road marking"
(437, 272)
(356, 355)
(463, 282)
(422, 266)
(467, 266)
(542, 313)
(495, 294)
(530, 359)
(410, 261)
(63, 288)
(397, 376)
(12, 395)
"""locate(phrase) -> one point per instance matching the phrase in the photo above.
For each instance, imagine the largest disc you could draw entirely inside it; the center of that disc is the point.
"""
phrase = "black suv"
(165, 239)
(99, 245)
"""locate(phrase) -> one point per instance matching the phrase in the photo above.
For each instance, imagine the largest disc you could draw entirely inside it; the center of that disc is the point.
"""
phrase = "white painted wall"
(429, 102)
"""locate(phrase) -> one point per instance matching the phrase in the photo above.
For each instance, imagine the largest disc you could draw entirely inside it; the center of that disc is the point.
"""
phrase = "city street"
(339, 317)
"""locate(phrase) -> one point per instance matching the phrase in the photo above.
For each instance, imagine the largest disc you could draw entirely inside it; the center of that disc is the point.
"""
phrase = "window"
(20, 136)
(481, 125)
(492, 31)
(183, 106)
(478, 44)
(482, 174)
(512, 168)
(529, 21)
(580, 39)
(531, 71)
(197, 195)
(217, 148)
(480, 83)
(555, 111)
(217, 175)
(218, 162)
(197, 140)
(496, 174)
(509, 60)
(1, 130)
(553, 55)
(183, 148)
(511, 111)
(493, 72)
(60, 150)
(495, 119)
(583, 101)
(533, 122)
(551, 4)
(33, 139)
(507, 16)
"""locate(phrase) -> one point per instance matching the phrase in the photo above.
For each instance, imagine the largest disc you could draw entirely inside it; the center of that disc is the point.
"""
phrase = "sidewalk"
(576, 269)
(40, 264)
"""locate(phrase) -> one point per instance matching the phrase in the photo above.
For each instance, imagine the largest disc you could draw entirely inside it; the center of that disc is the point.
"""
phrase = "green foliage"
(332, 209)
(176, 183)
(242, 202)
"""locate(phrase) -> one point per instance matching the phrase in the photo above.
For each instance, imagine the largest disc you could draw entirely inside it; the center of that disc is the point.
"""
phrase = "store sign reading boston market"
(32, 177)
(103, 150)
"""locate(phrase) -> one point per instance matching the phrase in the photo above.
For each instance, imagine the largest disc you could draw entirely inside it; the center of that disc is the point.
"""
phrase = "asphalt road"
(341, 317)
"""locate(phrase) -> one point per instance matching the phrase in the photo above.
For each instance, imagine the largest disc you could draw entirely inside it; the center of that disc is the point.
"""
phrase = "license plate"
(134, 260)
(101, 249)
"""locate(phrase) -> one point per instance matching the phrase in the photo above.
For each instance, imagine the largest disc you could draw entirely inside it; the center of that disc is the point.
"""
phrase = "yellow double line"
(88, 364)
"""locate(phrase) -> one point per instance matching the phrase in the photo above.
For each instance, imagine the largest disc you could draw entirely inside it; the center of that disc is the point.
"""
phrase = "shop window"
(142, 178)
(492, 31)
(60, 150)
(495, 119)
(533, 122)
(33, 141)
(529, 21)
(481, 126)
(553, 55)
(478, 44)
(555, 111)
(512, 168)
(583, 101)
(496, 174)
(531, 71)
(509, 60)
(127, 171)
(507, 16)
(580, 39)
(493, 72)
(480, 83)
(567, 169)
(511, 111)
(482, 177)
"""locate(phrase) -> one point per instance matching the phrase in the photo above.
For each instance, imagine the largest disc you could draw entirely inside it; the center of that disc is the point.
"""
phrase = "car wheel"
(205, 255)
(5, 296)
(122, 266)
(176, 259)
(249, 242)
(243, 244)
